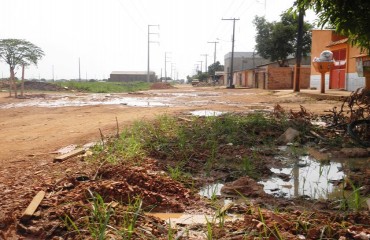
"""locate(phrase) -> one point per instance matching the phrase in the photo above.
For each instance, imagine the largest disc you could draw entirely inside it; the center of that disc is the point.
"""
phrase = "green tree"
(201, 76)
(277, 40)
(18, 53)
(349, 18)
(215, 67)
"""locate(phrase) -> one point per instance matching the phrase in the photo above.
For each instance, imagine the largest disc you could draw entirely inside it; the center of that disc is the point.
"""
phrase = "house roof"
(131, 72)
(344, 40)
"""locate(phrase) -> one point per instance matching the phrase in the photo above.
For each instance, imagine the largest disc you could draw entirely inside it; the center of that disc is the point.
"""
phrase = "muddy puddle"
(206, 113)
(186, 94)
(211, 190)
(305, 177)
(90, 100)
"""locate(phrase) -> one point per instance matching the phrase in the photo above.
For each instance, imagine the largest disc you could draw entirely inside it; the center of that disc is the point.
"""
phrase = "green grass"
(106, 87)
(100, 215)
(210, 140)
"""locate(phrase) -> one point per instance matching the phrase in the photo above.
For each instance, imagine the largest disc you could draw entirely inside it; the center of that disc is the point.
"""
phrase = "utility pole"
(165, 65)
(205, 67)
(230, 78)
(149, 42)
(214, 53)
(79, 70)
(296, 85)
(201, 66)
(53, 72)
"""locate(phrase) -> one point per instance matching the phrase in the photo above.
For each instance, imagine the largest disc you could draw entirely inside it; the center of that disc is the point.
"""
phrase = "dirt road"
(44, 123)
(35, 127)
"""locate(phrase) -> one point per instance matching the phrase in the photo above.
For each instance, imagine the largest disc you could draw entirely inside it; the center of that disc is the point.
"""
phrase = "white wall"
(315, 81)
(354, 82)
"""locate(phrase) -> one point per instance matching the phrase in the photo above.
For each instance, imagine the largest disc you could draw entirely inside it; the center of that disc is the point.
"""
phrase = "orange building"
(343, 74)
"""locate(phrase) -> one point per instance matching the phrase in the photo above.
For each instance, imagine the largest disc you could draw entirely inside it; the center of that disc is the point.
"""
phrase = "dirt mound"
(43, 86)
(31, 85)
(114, 189)
(161, 85)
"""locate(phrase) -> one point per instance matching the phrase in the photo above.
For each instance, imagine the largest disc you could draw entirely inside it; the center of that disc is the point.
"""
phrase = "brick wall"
(282, 78)
(305, 74)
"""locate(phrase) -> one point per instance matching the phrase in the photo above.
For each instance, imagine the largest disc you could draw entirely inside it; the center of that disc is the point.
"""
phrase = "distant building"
(243, 61)
(252, 71)
(131, 76)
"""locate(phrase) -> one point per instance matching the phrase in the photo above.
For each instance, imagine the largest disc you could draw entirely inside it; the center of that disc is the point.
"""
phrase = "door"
(338, 72)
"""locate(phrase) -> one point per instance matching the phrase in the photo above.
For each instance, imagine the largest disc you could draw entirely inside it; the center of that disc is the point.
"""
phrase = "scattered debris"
(33, 206)
(288, 136)
(244, 186)
(69, 155)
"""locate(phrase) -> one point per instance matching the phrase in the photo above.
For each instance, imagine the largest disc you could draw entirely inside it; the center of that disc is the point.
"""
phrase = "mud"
(32, 133)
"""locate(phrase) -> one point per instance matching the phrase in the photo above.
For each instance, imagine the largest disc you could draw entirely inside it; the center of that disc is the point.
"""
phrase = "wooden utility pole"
(230, 77)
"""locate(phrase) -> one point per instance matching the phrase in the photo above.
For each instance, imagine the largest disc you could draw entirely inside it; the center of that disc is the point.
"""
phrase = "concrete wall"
(315, 81)
(354, 81)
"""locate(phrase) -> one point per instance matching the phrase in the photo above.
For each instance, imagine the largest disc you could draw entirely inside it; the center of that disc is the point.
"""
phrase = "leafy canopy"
(277, 40)
(16, 52)
(350, 18)
(214, 67)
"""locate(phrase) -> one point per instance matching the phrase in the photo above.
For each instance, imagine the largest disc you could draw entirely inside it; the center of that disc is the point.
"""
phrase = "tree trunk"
(22, 85)
(11, 81)
(14, 83)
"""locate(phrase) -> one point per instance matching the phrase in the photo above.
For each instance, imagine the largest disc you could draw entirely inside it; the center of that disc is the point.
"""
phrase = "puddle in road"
(308, 177)
(88, 100)
(186, 94)
(206, 113)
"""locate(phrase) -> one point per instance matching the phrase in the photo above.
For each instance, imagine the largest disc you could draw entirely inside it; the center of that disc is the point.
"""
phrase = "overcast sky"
(112, 35)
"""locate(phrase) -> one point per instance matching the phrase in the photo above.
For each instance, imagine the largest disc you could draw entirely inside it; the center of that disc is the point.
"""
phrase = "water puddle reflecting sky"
(211, 190)
(89, 100)
(308, 178)
(206, 113)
